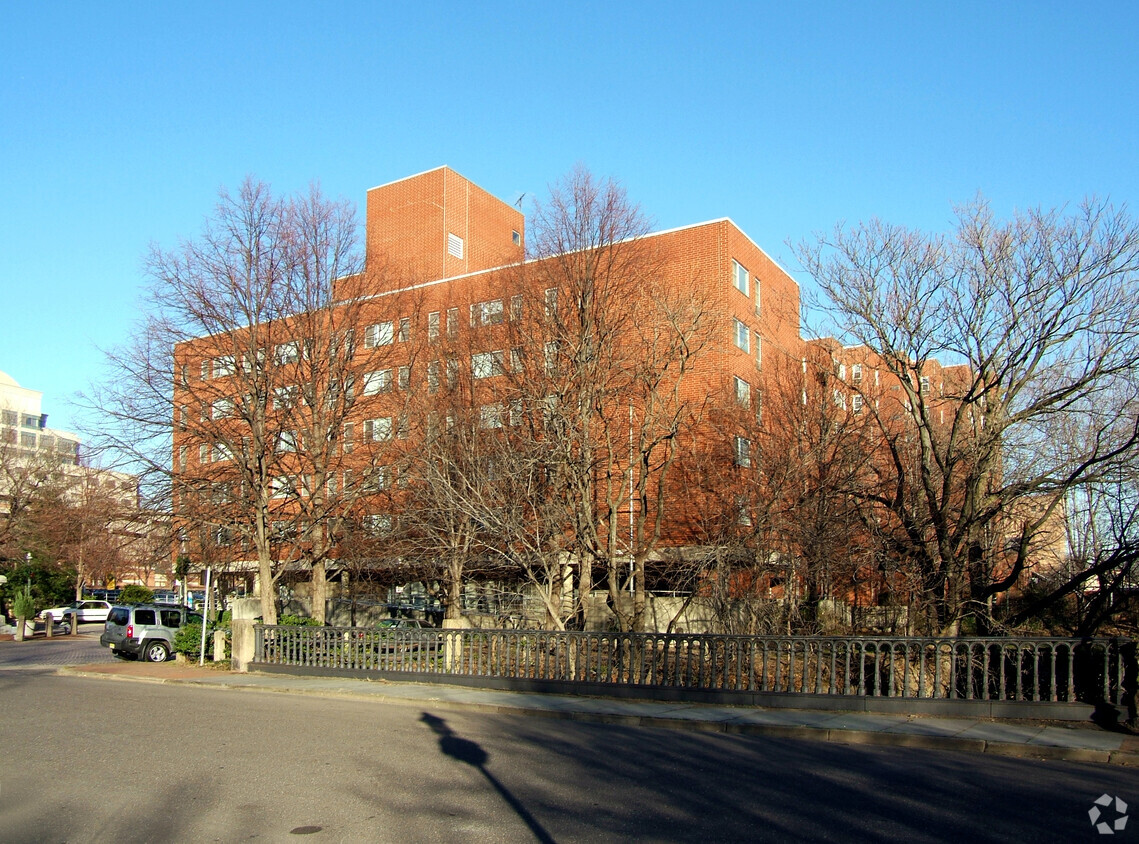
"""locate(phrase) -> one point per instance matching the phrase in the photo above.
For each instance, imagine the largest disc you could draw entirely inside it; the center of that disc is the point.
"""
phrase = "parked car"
(82, 610)
(407, 634)
(145, 631)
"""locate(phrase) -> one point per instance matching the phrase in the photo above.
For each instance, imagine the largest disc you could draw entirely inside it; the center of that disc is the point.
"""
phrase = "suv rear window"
(144, 617)
(171, 618)
(119, 615)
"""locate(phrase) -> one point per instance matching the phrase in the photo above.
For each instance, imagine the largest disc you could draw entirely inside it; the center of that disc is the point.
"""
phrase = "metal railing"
(983, 669)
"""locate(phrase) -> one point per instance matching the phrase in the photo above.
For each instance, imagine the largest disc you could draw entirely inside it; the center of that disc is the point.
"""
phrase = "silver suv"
(145, 631)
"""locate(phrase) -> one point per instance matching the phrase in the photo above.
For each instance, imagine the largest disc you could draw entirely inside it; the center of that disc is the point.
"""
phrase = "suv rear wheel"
(155, 652)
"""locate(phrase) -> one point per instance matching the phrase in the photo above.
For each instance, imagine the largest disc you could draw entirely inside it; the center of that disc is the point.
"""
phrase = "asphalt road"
(111, 760)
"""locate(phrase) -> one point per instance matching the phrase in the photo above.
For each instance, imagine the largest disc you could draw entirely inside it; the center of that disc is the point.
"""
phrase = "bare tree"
(1040, 316)
(618, 340)
(246, 349)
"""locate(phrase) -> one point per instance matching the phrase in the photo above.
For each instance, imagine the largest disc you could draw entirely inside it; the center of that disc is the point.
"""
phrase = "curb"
(1125, 758)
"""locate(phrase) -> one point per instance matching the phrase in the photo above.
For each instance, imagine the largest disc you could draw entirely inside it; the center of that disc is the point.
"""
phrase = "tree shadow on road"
(471, 753)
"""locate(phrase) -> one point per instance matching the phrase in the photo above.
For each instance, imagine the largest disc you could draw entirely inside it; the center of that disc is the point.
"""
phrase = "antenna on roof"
(518, 201)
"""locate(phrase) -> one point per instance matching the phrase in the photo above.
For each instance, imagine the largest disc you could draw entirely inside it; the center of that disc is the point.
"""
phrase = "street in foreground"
(112, 760)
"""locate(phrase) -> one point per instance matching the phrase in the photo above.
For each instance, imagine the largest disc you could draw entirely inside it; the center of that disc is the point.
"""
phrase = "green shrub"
(136, 594)
(188, 640)
(24, 605)
(298, 621)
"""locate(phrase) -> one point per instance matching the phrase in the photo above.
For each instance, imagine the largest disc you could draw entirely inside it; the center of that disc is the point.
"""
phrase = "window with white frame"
(759, 406)
(286, 442)
(487, 313)
(742, 449)
(856, 373)
(856, 404)
(740, 277)
(207, 369)
(285, 397)
(551, 301)
(404, 329)
(349, 434)
(378, 430)
(433, 376)
(452, 374)
(840, 399)
(516, 307)
(743, 392)
(454, 245)
(742, 336)
(221, 409)
(204, 453)
(288, 352)
(379, 334)
(377, 524)
(377, 382)
(923, 384)
(487, 364)
(758, 350)
(379, 478)
(224, 366)
(551, 355)
(490, 416)
(404, 377)
(433, 326)
(452, 323)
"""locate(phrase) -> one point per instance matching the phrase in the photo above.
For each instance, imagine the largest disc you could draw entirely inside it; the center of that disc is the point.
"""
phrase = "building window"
(924, 384)
(376, 382)
(452, 374)
(183, 458)
(433, 376)
(225, 366)
(742, 448)
(490, 416)
(739, 278)
(551, 301)
(404, 329)
(285, 397)
(487, 313)
(454, 246)
(516, 238)
(288, 352)
(856, 373)
(452, 323)
(377, 524)
(743, 392)
(287, 442)
(349, 433)
(551, 354)
(27, 440)
(487, 364)
(221, 409)
(378, 430)
(742, 336)
(404, 377)
(840, 399)
(207, 368)
(758, 352)
(380, 334)
(380, 478)
(203, 454)
(856, 404)
(433, 326)
(759, 406)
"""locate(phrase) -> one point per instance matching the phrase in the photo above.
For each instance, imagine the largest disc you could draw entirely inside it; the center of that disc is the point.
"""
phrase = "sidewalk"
(1072, 742)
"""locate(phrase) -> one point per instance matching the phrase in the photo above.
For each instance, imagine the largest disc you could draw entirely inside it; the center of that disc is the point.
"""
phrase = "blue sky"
(120, 121)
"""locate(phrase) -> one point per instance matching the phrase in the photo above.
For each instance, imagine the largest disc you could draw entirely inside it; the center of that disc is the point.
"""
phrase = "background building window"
(740, 277)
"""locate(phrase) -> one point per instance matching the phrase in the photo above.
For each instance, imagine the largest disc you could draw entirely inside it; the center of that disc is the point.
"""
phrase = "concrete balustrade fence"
(881, 673)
